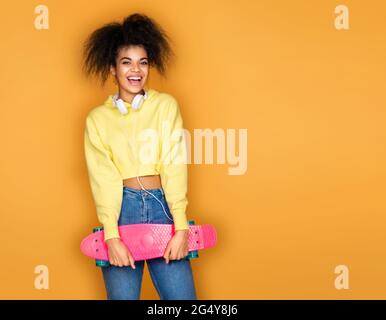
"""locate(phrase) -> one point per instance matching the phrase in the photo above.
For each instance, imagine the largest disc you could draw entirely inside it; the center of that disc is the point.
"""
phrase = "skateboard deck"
(148, 241)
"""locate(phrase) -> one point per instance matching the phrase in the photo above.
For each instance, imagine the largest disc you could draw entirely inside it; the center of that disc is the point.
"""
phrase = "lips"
(135, 80)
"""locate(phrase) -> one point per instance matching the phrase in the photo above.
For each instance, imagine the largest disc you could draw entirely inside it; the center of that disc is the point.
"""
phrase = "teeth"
(134, 78)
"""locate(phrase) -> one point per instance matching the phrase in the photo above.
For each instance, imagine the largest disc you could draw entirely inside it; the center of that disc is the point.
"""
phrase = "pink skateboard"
(148, 241)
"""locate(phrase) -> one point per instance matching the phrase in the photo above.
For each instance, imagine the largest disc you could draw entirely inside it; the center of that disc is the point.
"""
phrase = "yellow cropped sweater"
(146, 141)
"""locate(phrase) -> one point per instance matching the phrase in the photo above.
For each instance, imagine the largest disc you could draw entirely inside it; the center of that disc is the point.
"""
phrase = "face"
(131, 62)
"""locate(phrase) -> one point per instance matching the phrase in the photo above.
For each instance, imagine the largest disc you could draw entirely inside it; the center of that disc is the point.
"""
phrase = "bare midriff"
(148, 182)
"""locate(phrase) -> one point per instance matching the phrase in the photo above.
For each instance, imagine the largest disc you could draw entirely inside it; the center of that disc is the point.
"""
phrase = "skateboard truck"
(100, 263)
(106, 263)
(192, 254)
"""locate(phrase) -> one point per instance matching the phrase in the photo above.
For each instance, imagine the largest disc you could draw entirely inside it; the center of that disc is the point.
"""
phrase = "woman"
(133, 180)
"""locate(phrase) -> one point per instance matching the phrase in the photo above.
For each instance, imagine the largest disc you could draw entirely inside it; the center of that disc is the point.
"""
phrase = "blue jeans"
(173, 280)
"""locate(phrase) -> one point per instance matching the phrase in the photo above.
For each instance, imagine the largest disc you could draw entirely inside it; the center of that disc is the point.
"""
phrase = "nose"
(135, 67)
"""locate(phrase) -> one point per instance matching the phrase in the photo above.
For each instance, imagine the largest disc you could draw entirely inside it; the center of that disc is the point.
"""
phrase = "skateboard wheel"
(192, 254)
(100, 263)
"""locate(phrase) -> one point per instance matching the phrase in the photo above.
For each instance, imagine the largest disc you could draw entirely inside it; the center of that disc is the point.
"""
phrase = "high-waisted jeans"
(173, 280)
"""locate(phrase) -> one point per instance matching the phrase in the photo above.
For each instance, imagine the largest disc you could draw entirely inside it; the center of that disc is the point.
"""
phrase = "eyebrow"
(130, 58)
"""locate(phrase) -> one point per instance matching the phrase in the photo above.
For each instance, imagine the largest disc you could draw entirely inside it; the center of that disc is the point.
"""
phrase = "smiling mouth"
(135, 81)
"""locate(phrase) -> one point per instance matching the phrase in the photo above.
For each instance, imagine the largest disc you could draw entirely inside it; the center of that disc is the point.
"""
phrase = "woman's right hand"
(119, 254)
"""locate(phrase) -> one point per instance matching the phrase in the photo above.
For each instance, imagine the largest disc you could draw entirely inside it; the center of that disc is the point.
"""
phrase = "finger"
(131, 259)
(124, 261)
(175, 255)
(167, 258)
(180, 255)
(115, 259)
(167, 250)
(167, 253)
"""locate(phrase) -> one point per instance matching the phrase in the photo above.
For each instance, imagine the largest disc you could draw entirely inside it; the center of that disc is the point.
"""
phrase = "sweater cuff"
(180, 221)
(111, 230)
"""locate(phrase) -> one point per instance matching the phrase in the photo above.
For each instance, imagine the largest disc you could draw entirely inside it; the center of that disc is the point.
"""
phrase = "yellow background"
(313, 101)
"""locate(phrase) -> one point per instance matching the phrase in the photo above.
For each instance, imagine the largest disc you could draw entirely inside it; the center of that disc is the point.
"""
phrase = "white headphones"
(135, 104)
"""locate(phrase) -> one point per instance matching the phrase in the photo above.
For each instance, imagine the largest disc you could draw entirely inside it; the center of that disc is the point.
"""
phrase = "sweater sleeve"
(173, 166)
(105, 180)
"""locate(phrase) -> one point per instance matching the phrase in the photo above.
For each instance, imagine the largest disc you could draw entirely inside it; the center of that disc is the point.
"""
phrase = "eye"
(143, 62)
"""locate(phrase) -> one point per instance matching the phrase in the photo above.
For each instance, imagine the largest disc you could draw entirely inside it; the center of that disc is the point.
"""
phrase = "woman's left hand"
(177, 247)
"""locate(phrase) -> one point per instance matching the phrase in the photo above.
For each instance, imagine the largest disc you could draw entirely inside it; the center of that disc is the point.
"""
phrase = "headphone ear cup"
(137, 101)
(121, 106)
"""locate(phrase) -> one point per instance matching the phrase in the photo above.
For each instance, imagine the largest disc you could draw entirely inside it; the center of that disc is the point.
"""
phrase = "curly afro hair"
(101, 48)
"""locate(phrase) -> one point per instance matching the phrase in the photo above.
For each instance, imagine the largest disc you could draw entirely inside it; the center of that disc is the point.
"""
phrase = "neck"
(128, 96)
